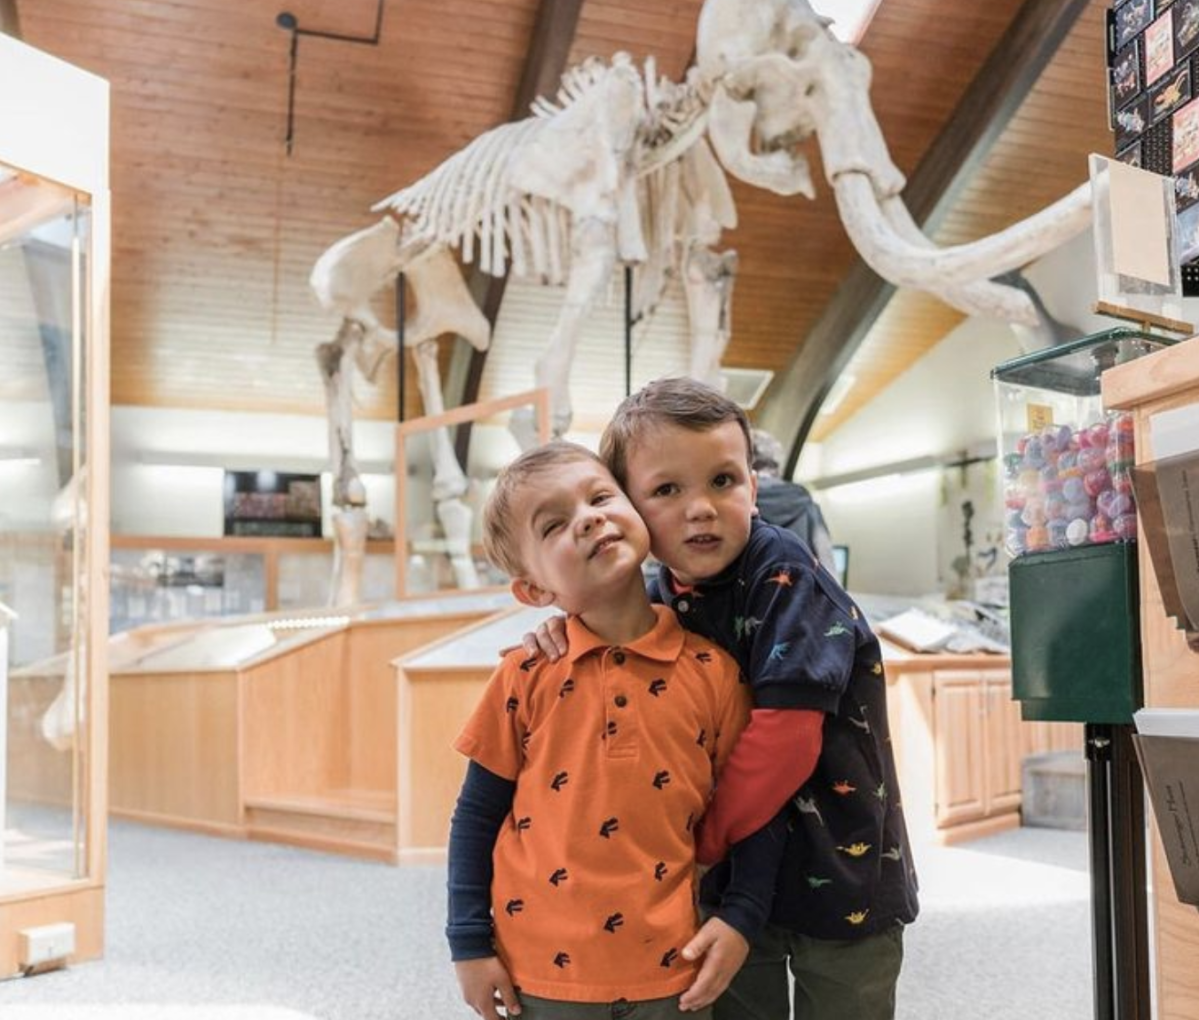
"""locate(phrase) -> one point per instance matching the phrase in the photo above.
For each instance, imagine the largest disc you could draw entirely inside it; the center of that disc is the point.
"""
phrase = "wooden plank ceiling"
(216, 227)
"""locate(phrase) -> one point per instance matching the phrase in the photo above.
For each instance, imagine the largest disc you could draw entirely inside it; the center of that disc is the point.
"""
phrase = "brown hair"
(500, 542)
(676, 401)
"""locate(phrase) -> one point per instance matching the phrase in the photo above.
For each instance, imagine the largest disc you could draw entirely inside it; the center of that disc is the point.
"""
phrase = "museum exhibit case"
(54, 258)
(278, 726)
(437, 689)
(160, 579)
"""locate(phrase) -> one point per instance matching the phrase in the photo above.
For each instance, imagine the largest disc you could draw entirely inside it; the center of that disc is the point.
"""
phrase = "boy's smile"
(581, 541)
(696, 493)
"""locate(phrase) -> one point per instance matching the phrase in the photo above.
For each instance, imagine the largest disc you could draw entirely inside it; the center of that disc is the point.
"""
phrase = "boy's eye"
(723, 480)
(665, 489)
(600, 498)
(549, 528)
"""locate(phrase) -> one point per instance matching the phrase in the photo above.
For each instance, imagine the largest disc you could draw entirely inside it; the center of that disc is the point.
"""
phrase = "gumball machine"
(1070, 528)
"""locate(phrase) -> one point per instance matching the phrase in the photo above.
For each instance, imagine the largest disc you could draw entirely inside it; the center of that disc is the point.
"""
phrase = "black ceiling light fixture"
(289, 22)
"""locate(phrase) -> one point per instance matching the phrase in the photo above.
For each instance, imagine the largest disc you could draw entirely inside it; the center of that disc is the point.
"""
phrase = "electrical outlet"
(44, 944)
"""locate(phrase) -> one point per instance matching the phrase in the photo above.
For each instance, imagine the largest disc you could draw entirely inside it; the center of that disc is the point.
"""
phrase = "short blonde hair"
(500, 541)
(683, 402)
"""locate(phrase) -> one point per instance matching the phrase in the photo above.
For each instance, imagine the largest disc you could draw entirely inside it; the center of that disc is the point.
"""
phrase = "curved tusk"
(906, 264)
(730, 126)
(984, 298)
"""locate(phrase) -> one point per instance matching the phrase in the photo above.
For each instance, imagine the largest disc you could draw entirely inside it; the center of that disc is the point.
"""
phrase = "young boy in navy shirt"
(818, 736)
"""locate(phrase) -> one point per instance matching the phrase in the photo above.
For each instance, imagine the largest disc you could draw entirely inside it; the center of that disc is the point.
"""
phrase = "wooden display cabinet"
(54, 453)
(958, 737)
(960, 742)
(275, 727)
(1161, 382)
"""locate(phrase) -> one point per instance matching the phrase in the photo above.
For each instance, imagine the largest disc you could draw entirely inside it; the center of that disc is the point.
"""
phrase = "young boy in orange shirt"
(571, 858)
(818, 738)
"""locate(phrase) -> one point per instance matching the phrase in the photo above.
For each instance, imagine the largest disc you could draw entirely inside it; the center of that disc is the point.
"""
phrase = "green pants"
(533, 1008)
(833, 980)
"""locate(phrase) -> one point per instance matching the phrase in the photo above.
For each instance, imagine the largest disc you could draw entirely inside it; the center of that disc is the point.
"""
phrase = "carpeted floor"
(209, 929)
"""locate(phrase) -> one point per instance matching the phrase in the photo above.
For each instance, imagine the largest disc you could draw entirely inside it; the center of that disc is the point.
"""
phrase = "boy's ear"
(530, 593)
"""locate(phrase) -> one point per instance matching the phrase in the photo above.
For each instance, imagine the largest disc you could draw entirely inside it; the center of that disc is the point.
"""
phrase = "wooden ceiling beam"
(10, 24)
(553, 35)
(989, 102)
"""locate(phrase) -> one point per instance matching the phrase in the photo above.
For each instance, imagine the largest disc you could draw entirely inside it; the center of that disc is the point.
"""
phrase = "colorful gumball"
(1037, 538)
(1096, 482)
(1073, 490)
(1084, 508)
(1096, 435)
(1125, 527)
(1101, 529)
(1091, 459)
(1034, 512)
(1057, 533)
(1077, 531)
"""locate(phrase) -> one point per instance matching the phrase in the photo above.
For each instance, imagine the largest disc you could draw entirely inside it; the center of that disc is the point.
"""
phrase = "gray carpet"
(209, 929)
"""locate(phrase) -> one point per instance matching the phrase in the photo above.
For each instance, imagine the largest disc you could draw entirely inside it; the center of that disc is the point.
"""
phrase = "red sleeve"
(773, 757)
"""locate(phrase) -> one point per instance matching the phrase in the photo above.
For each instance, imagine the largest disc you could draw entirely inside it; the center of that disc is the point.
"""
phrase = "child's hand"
(549, 638)
(485, 984)
(724, 950)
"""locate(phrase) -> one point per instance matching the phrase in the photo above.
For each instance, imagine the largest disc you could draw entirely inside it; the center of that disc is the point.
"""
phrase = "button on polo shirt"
(614, 752)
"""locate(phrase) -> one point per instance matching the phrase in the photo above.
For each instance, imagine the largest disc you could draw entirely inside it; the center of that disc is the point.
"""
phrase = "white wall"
(168, 465)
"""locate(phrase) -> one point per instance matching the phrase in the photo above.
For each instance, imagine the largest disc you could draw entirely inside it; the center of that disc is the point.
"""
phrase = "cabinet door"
(1004, 750)
(958, 710)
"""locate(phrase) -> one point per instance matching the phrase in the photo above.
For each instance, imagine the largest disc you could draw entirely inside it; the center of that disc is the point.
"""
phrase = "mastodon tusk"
(905, 264)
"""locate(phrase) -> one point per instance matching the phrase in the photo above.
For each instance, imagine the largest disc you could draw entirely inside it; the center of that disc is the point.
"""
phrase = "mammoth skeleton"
(629, 168)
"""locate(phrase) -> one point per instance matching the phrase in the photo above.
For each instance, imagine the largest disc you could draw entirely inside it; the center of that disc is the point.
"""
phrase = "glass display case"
(166, 579)
(54, 245)
(1067, 466)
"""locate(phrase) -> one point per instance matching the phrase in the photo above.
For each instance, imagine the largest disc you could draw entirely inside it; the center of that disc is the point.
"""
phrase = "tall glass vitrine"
(54, 255)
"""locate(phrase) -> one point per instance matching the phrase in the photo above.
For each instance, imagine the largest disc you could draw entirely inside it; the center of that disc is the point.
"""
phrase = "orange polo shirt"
(614, 751)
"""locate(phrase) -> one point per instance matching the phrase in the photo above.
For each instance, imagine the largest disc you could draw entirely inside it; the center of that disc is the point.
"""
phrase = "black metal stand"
(1117, 849)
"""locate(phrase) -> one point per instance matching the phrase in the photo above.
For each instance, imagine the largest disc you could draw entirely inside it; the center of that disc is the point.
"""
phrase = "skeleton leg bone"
(349, 494)
(449, 481)
(592, 259)
(708, 279)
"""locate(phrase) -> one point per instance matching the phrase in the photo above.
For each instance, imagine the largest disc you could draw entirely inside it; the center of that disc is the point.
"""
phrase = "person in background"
(788, 504)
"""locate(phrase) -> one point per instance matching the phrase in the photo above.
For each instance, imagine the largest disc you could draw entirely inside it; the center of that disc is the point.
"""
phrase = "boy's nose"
(701, 509)
(591, 517)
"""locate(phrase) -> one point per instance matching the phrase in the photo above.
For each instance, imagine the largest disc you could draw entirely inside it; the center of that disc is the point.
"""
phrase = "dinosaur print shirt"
(614, 751)
(802, 643)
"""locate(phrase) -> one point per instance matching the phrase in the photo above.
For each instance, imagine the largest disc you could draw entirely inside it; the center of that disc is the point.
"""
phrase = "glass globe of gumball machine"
(1070, 528)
